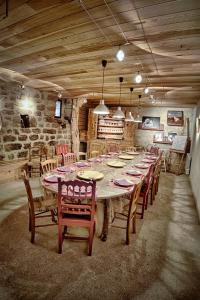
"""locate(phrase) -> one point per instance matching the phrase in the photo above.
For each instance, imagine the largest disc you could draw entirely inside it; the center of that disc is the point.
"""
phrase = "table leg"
(104, 233)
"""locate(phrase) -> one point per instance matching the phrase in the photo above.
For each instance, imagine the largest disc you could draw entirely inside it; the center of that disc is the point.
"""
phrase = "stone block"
(9, 105)
(9, 138)
(38, 113)
(52, 143)
(11, 156)
(25, 130)
(38, 144)
(22, 154)
(34, 137)
(22, 137)
(36, 130)
(41, 107)
(33, 122)
(12, 147)
(27, 145)
(41, 137)
(49, 130)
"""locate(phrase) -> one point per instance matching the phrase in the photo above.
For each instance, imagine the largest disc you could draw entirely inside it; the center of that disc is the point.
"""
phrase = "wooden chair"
(155, 182)
(48, 165)
(131, 148)
(69, 158)
(128, 213)
(76, 208)
(112, 147)
(61, 149)
(95, 150)
(39, 208)
(146, 191)
(35, 156)
(155, 150)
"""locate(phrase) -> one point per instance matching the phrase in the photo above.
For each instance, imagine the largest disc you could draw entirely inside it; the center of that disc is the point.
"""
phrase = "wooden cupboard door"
(92, 125)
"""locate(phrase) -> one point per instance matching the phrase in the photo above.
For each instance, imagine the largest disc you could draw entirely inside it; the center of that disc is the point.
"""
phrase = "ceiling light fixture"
(59, 95)
(119, 113)
(138, 118)
(120, 55)
(138, 78)
(129, 117)
(102, 109)
(146, 90)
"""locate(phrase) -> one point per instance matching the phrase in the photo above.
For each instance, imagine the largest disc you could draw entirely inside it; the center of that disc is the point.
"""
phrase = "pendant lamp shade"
(119, 113)
(129, 117)
(102, 109)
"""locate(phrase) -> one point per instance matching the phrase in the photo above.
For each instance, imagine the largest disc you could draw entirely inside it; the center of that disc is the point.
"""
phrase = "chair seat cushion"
(44, 204)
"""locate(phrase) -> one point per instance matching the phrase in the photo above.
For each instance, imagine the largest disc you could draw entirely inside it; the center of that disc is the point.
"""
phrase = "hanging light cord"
(103, 82)
(120, 92)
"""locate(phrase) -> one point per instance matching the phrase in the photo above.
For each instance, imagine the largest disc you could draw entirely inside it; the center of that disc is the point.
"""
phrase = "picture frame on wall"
(171, 136)
(151, 123)
(158, 137)
(175, 118)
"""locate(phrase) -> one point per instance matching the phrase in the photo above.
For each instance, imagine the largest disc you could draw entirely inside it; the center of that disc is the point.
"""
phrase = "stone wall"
(44, 128)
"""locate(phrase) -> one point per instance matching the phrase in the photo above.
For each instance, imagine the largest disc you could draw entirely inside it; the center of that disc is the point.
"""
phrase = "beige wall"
(145, 137)
(195, 167)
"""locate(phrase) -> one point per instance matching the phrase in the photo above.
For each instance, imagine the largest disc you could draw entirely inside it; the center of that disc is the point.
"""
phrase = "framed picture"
(150, 123)
(171, 136)
(158, 137)
(175, 118)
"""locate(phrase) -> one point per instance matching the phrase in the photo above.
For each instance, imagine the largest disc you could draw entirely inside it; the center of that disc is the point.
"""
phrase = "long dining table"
(106, 188)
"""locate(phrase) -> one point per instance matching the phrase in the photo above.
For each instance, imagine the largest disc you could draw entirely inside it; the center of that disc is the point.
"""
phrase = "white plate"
(123, 182)
(116, 163)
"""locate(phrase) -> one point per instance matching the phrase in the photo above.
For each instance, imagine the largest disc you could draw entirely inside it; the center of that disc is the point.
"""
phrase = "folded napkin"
(80, 164)
(123, 182)
(149, 161)
(141, 166)
(64, 169)
(133, 172)
(51, 179)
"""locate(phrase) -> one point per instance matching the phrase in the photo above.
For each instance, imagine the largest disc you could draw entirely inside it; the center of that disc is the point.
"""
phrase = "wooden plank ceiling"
(59, 44)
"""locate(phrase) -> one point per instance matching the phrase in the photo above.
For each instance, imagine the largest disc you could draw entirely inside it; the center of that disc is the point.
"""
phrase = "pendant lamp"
(102, 109)
(138, 118)
(120, 55)
(129, 117)
(119, 113)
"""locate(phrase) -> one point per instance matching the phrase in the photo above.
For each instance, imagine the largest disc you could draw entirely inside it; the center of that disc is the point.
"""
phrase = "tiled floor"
(162, 261)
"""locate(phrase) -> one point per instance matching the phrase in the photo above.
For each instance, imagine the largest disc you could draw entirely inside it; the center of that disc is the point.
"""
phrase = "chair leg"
(32, 229)
(134, 223)
(29, 221)
(60, 239)
(91, 237)
(128, 231)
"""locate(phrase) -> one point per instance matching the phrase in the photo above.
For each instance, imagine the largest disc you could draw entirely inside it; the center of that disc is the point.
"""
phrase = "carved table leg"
(105, 220)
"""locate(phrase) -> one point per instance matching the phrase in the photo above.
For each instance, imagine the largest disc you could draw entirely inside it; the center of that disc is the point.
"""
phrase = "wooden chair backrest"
(135, 196)
(113, 147)
(154, 150)
(69, 158)
(48, 165)
(76, 197)
(62, 149)
(29, 193)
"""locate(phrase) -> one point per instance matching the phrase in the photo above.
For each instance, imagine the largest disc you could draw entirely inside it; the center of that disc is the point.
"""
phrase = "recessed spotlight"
(120, 55)
(138, 78)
